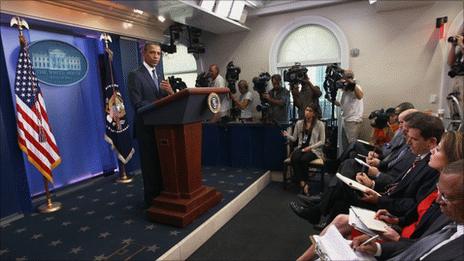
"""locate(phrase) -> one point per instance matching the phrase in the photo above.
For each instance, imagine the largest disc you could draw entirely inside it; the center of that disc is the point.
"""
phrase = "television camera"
(176, 83)
(232, 75)
(336, 78)
(457, 69)
(203, 80)
(295, 74)
(259, 85)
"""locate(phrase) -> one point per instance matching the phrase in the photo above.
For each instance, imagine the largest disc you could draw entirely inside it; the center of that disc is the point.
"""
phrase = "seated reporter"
(310, 133)
(418, 220)
(439, 242)
(244, 101)
(403, 193)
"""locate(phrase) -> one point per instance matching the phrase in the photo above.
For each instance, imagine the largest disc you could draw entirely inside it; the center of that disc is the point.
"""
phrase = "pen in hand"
(369, 240)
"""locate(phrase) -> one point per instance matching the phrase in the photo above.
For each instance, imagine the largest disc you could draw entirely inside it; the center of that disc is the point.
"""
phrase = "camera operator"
(244, 102)
(218, 81)
(456, 62)
(307, 95)
(278, 99)
(352, 105)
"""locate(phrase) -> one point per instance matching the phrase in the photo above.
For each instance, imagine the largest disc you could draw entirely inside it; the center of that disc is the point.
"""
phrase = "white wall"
(401, 58)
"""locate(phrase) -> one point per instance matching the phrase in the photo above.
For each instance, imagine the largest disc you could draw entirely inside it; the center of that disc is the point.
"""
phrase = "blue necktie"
(155, 79)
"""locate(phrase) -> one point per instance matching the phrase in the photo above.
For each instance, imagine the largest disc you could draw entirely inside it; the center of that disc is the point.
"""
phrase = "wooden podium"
(178, 136)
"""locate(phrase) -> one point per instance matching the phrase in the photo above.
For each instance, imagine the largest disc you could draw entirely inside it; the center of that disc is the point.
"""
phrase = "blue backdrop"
(76, 118)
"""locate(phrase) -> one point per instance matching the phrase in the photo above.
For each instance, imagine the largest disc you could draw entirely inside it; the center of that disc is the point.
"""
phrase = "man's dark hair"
(429, 126)
(276, 77)
(145, 47)
(403, 106)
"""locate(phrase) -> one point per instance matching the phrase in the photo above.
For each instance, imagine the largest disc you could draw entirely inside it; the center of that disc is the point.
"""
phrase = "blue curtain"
(14, 190)
(75, 114)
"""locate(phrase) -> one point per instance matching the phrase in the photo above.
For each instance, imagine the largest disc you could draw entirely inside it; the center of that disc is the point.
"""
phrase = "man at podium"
(145, 87)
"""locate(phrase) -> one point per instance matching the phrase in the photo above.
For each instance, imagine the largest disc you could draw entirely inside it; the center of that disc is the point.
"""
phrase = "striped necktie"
(391, 187)
(424, 245)
(155, 79)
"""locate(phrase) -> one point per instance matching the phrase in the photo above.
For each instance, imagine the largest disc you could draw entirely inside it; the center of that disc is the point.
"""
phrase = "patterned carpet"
(106, 221)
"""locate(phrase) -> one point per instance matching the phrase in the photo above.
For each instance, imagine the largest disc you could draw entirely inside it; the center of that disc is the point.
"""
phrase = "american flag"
(34, 135)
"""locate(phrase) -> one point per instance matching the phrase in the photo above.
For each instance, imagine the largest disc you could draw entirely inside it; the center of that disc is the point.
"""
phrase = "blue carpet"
(106, 221)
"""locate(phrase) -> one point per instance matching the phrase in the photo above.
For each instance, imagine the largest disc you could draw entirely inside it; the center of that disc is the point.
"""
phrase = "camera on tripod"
(232, 75)
(296, 74)
(176, 83)
(457, 69)
(259, 85)
(203, 80)
(336, 78)
(260, 82)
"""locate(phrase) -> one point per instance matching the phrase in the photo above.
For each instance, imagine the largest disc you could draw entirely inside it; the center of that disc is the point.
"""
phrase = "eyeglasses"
(447, 199)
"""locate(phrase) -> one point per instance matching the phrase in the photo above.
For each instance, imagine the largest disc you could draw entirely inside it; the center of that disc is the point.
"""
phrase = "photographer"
(456, 62)
(307, 95)
(352, 105)
(246, 98)
(218, 81)
(278, 99)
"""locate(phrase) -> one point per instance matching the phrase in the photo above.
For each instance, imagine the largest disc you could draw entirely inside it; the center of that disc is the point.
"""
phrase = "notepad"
(332, 246)
(367, 217)
(362, 162)
(355, 185)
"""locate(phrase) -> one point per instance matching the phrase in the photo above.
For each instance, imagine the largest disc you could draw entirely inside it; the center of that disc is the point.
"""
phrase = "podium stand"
(178, 136)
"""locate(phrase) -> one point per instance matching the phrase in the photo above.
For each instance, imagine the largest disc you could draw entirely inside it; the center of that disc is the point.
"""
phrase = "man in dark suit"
(410, 187)
(145, 87)
(439, 242)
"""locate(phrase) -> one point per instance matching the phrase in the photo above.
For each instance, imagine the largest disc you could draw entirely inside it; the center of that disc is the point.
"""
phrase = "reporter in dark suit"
(145, 87)
(439, 242)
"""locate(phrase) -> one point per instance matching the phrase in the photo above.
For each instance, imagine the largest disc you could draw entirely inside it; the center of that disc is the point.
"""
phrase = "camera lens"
(452, 39)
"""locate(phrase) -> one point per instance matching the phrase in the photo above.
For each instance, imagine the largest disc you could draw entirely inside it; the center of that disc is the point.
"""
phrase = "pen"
(369, 240)
(360, 155)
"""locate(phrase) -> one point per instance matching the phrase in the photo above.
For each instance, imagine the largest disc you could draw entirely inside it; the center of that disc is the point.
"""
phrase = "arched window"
(315, 47)
(315, 42)
(181, 65)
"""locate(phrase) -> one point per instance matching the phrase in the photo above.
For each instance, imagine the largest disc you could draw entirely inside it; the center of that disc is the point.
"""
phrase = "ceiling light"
(372, 1)
(161, 18)
(138, 11)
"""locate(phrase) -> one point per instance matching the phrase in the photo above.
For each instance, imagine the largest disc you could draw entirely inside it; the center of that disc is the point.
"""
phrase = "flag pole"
(123, 178)
(50, 206)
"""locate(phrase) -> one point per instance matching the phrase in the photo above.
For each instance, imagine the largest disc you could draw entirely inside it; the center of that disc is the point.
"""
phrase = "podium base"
(180, 212)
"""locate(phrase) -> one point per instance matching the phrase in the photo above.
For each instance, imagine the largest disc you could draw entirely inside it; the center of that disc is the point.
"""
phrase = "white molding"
(99, 16)
(187, 246)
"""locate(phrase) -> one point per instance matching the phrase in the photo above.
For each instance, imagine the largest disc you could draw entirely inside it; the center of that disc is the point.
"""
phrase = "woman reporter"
(310, 133)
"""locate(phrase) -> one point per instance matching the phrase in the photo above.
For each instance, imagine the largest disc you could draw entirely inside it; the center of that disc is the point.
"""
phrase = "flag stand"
(123, 178)
(50, 206)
